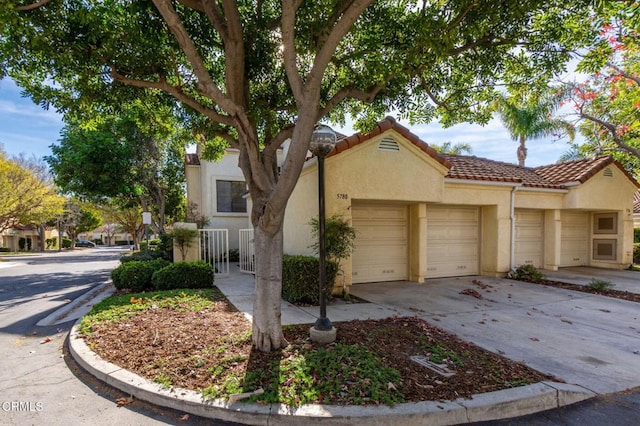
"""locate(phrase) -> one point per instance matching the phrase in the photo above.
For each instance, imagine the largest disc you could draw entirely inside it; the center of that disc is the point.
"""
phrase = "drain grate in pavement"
(441, 369)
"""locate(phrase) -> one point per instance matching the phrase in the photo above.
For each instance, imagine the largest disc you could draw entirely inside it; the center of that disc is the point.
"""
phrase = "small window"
(230, 196)
(604, 249)
(605, 223)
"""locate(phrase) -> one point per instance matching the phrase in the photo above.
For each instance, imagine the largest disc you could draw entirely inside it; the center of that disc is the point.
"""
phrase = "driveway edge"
(502, 404)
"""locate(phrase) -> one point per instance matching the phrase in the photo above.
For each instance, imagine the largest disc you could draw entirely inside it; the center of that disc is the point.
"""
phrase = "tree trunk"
(522, 151)
(267, 328)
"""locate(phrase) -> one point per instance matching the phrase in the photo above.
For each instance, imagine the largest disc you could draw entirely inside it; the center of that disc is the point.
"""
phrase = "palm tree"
(531, 118)
(450, 148)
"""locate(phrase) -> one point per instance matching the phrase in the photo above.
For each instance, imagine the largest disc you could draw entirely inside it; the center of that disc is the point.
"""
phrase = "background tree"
(452, 149)
(28, 197)
(136, 154)
(79, 217)
(251, 75)
(129, 218)
(607, 104)
(530, 116)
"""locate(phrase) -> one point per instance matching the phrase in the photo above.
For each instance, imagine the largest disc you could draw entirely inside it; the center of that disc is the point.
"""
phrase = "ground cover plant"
(195, 339)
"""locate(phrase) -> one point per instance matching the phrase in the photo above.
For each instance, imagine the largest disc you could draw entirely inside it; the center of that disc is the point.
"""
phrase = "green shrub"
(139, 256)
(526, 273)
(234, 255)
(183, 275)
(123, 243)
(5, 250)
(600, 285)
(636, 235)
(136, 275)
(636, 254)
(153, 244)
(66, 243)
(22, 243)
(165, 247)
(300, 279)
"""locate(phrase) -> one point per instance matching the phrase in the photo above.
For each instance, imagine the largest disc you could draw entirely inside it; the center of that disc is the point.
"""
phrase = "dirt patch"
(197, 349)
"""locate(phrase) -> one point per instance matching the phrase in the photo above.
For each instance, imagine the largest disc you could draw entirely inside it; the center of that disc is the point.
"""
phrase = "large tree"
(607, 103)
(133, 154)
(252, 74)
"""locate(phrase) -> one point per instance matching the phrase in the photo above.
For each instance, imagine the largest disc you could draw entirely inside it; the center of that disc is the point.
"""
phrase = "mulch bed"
(184, 347)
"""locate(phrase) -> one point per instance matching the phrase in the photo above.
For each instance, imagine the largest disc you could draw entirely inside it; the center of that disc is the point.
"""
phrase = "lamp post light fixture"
(323, 140)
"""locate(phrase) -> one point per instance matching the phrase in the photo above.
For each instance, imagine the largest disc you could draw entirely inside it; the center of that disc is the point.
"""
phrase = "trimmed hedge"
(183, 275)
(636, 235)
(636, 254)
(136, 275)
(5, 250)
(300, 279)
(140, 256)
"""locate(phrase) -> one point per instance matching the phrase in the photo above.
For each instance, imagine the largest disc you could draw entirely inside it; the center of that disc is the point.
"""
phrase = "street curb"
(84, 303)
(502, 404)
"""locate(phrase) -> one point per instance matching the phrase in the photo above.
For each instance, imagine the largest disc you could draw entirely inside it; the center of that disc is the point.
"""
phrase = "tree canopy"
(607, 104)
(252, 74)
(134, 155)
(27, 195)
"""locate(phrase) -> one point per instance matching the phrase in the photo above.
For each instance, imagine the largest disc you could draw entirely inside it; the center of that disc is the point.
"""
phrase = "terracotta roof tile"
(554, 176)
(475, 168)
(574, 171)
(636, 202)
(384, 125)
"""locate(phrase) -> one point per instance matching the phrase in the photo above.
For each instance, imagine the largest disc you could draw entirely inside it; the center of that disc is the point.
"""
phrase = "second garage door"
(453, 236)
(574, 241)
(381, 245)
(529, 238)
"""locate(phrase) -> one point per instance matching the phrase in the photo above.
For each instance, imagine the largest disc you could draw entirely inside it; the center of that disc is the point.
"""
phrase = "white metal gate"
(247, 251)
(214, 249)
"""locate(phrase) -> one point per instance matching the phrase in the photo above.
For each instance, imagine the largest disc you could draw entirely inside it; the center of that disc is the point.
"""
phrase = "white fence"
(214, 249)
(247, 251)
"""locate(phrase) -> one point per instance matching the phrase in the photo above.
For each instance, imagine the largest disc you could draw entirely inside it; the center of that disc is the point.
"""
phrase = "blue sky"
(27, 128)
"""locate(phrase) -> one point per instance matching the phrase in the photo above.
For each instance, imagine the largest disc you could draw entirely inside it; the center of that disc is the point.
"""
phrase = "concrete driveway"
(583, 339)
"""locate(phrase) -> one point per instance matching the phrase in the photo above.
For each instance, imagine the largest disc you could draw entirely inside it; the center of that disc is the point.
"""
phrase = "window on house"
(230, 196)
(605, 223)
(604, 249)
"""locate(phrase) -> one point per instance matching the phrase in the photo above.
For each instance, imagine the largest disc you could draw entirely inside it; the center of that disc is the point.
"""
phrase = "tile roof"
(554, 176)
(636, 202)
(384, 125)
(475, 168)
(574, 171)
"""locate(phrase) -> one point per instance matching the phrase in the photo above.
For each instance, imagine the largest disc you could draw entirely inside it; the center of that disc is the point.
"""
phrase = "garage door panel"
(574, 241)
(452, 241)
(529, 238)
(381, 245)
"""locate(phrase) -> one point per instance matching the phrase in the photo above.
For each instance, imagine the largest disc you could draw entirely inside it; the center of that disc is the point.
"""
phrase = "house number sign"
(343, 196)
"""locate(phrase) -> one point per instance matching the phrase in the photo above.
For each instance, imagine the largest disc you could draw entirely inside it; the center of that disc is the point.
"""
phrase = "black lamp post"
(323, 140)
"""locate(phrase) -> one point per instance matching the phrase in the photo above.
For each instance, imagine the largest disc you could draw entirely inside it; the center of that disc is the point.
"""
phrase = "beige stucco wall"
(203, 184)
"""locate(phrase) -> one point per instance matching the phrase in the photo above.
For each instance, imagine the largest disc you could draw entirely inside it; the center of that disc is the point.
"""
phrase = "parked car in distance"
(84, 243)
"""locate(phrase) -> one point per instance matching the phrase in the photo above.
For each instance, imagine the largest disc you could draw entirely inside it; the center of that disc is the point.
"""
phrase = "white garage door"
(453, 236)
(529, 238)
(381, 245)
(574, 240)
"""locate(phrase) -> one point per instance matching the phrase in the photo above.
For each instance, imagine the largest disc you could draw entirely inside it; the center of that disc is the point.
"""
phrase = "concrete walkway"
(591, 342)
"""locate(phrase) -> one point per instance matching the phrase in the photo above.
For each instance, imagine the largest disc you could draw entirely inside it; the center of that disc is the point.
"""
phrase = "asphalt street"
(40, 384)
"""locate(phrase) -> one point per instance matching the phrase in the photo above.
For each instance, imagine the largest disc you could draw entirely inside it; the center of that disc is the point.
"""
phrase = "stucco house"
(420, 214)
(636, 209)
